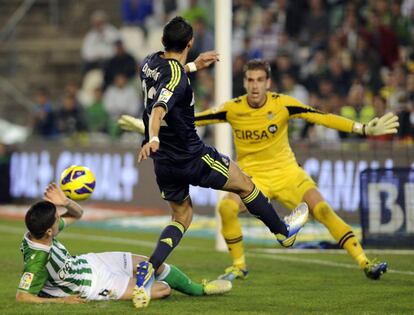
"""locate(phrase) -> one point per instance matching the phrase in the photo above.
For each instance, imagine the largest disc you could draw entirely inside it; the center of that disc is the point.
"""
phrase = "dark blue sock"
(261, 208)
(169, 239)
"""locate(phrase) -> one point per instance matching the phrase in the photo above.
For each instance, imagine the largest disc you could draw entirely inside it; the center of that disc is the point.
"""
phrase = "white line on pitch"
(332, 251)
(99, 238)
(121, 240)
(320, 262)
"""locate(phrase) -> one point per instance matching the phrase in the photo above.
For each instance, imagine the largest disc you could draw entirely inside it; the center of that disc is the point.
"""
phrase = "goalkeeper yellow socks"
(340, 231)
(179, 281)
(232, 232)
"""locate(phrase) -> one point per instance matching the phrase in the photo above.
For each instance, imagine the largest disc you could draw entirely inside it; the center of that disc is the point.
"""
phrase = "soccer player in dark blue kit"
(182, 159)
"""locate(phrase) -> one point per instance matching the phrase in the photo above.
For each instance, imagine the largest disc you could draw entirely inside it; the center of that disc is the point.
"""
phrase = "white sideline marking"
(320, 262)
(257, 253)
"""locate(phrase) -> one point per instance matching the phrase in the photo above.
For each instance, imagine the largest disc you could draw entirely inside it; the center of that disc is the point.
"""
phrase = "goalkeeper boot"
(375, 269)
(294, 222)
(216, 287)
(233, 272)
(141, 295)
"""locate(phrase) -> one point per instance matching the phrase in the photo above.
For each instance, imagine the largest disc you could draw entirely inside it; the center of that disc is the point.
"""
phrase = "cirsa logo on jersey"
(272, 128)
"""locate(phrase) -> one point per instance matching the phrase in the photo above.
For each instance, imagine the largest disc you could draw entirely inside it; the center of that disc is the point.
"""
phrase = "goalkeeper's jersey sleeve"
(261, 134)
(297, 109)
(213, 115)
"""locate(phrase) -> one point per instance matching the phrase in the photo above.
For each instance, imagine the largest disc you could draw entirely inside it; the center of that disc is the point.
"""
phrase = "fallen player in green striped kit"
(52, 275)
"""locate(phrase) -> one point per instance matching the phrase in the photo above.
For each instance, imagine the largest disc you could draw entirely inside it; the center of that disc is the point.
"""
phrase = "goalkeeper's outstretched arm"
(385, 125)
(129, 123)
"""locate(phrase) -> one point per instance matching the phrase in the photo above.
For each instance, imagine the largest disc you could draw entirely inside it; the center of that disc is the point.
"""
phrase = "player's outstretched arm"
(24, 297)
(203, 60)
(56, 196)
(385, 125)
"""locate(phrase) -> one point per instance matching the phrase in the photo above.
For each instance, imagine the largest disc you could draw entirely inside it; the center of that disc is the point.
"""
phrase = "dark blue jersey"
(165, 83)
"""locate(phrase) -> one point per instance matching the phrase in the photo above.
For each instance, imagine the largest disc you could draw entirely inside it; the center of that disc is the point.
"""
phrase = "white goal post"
(223, 89)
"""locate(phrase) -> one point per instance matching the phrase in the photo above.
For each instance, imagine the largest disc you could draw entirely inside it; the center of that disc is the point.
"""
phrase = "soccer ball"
(77, 182)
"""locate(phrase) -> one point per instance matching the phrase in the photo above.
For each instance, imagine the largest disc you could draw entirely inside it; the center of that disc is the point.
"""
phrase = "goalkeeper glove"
(384, 125)
(129, 123)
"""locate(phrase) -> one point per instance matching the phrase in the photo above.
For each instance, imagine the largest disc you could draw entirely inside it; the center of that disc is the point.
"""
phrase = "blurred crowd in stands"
(353, 58)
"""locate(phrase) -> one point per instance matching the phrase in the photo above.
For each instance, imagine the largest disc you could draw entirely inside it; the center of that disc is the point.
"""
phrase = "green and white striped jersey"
(52, 270)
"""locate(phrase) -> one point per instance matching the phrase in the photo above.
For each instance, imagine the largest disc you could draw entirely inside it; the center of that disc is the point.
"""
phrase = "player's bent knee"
(160, 290)
(248, 183)
(322, 211)
(184, 219)
(228, 209)
(182, 213)
(244, 186)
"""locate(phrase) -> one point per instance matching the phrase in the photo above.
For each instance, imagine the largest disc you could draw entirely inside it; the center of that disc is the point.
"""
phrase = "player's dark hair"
(257, 64)
(40, 217)
(176, 35)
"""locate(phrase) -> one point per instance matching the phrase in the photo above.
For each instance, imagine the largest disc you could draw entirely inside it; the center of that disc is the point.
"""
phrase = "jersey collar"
(159, 53)
(35, 245)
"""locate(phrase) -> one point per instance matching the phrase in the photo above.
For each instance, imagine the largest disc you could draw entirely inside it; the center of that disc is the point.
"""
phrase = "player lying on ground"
(180, 157)
(259, 121)
(52, 275)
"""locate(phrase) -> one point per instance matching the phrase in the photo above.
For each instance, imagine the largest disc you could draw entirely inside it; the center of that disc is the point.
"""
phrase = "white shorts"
(111, 273)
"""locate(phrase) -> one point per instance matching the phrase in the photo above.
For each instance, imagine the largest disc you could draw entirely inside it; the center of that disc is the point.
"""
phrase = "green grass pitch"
(279, 283)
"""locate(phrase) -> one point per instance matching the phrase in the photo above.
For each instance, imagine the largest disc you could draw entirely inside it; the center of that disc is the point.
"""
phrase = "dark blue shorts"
(210, 170)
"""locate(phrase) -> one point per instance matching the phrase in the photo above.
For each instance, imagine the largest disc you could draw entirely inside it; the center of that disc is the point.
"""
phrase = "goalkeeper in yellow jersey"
(259, 122)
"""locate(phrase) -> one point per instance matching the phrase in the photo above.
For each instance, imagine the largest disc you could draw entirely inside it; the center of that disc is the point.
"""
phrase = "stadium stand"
(368, 48)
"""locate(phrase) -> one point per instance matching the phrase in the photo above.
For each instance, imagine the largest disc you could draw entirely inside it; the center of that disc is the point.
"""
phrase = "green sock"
(179, 281)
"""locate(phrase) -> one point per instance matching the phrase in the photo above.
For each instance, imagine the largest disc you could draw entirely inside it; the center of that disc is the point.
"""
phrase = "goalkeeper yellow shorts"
(287, 186)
